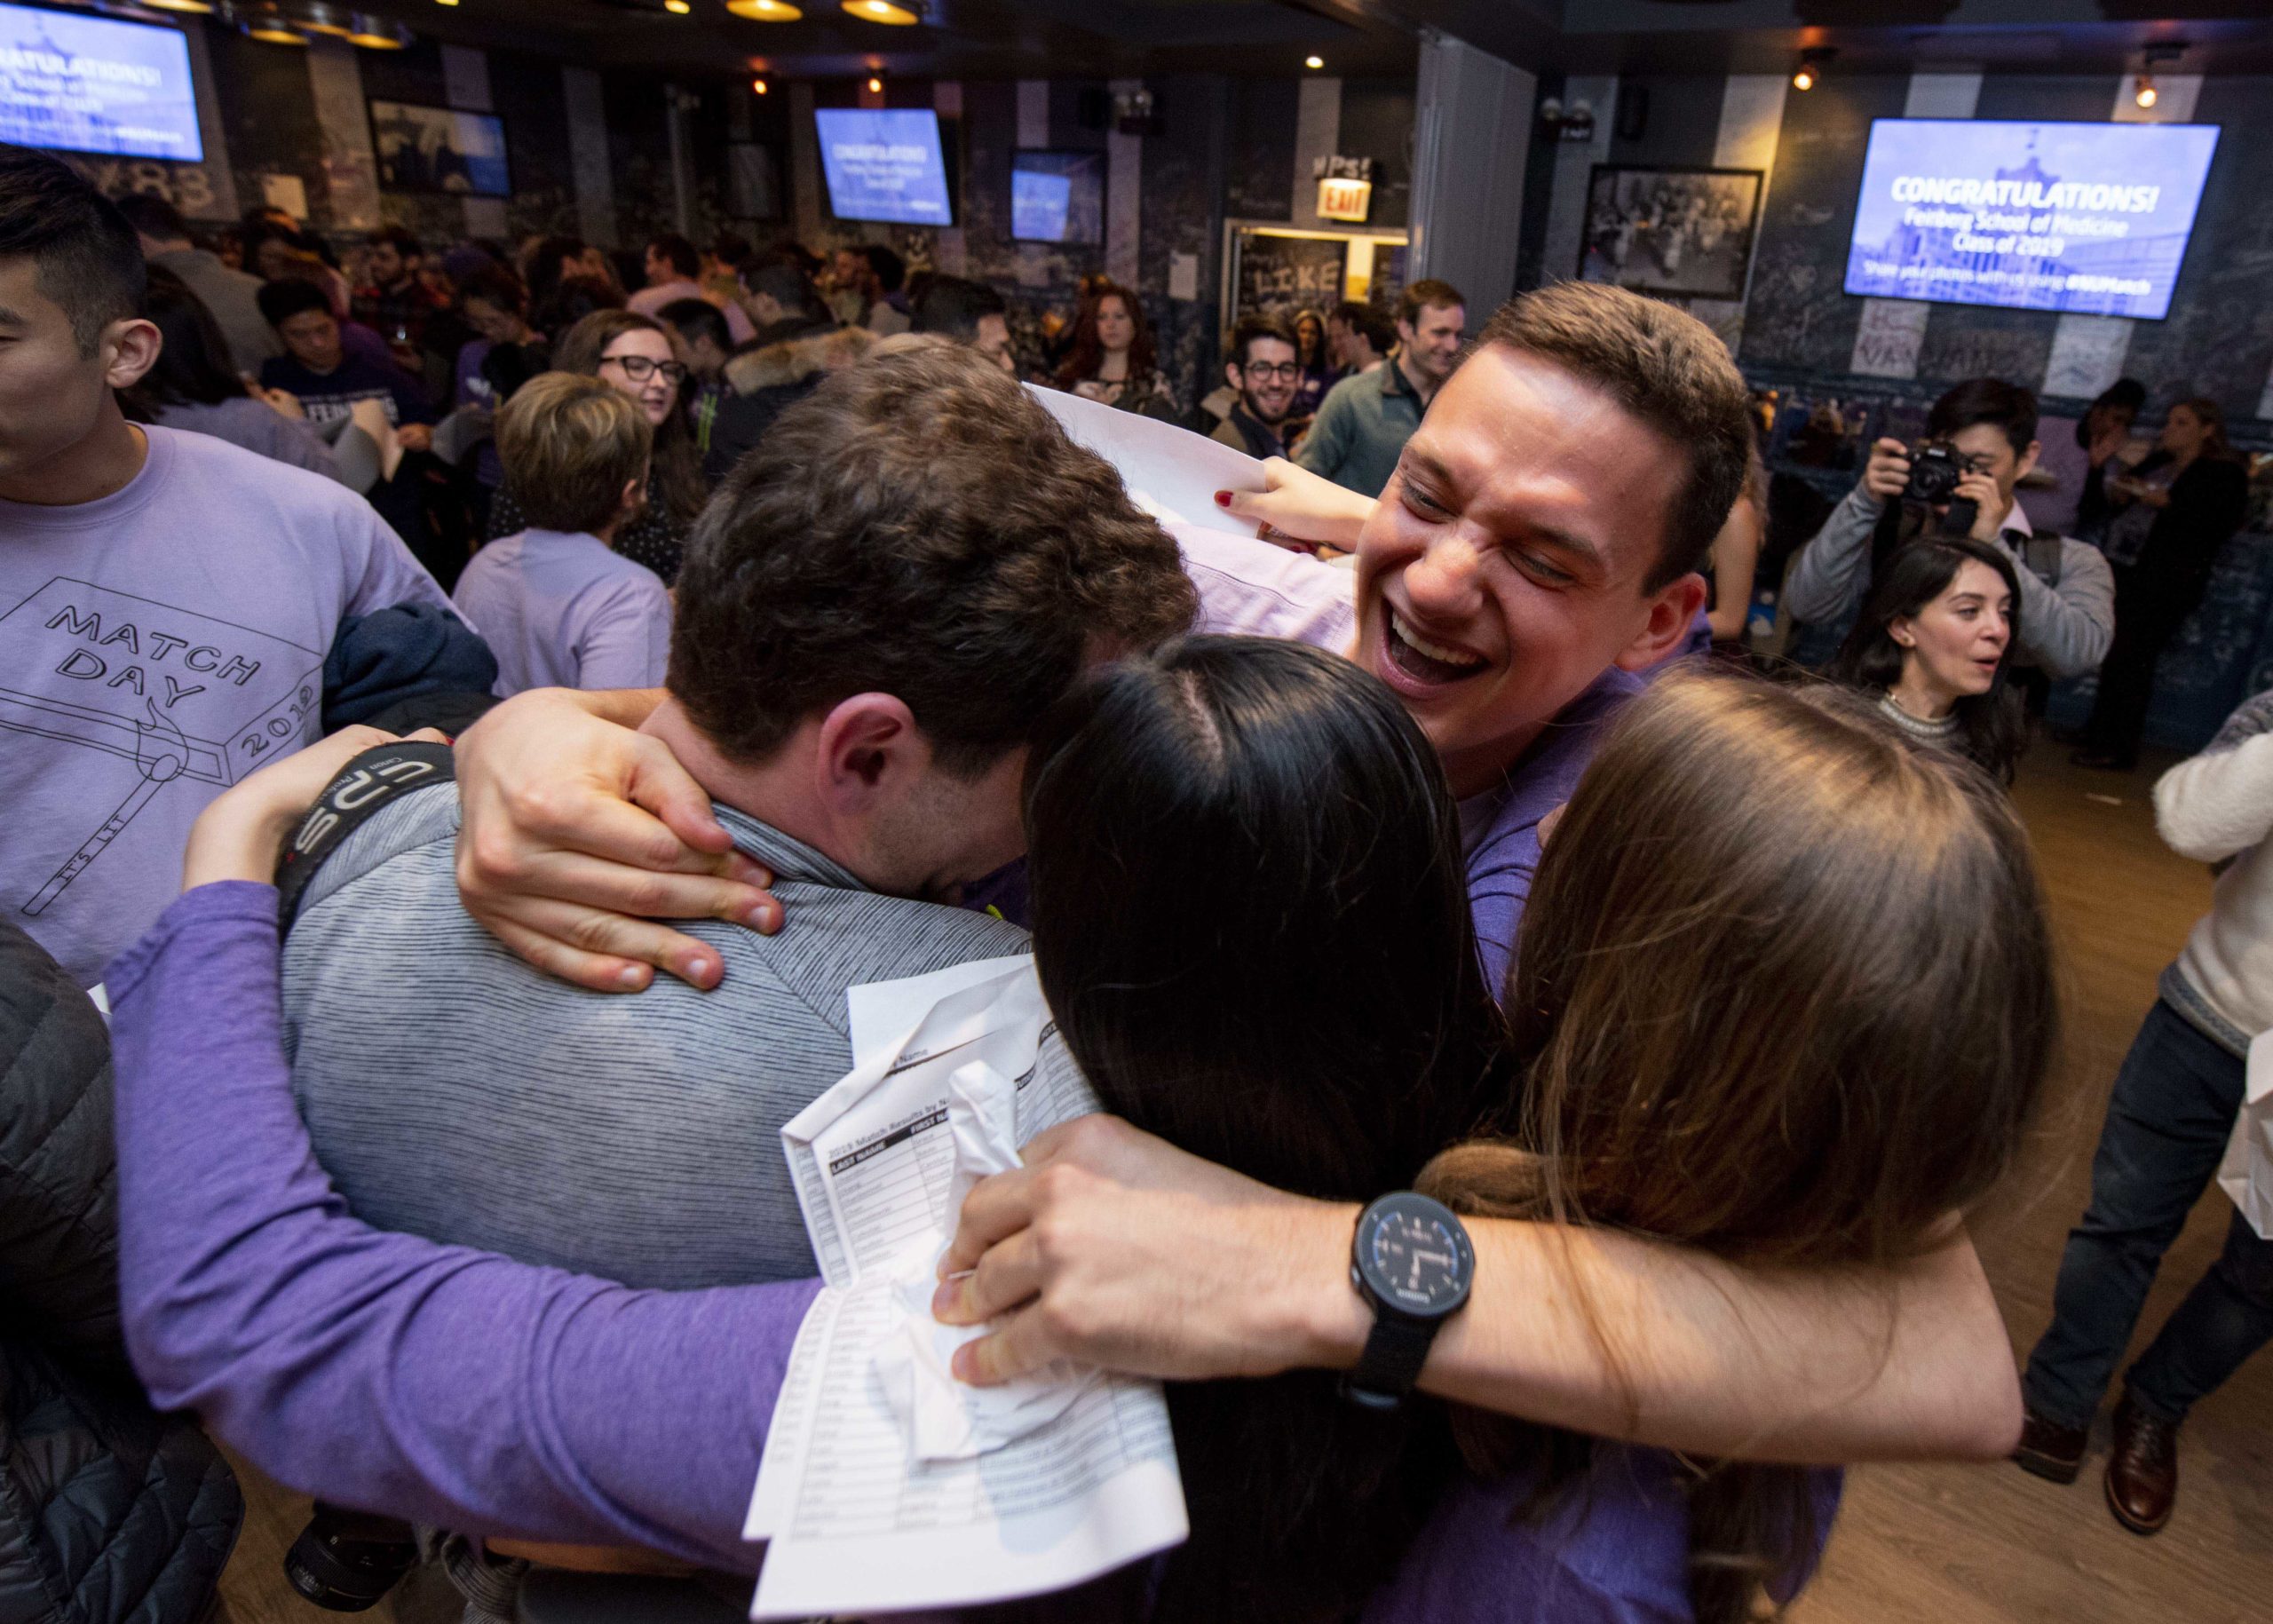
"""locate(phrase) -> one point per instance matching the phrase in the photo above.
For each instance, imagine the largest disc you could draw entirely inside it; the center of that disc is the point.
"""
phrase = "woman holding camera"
(2173, 514)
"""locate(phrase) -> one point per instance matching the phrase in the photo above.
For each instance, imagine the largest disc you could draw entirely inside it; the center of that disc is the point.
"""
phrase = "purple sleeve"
(431, 1381)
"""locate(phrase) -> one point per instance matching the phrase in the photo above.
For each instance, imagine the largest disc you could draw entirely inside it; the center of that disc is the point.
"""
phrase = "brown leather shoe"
(2143, 1471)
(2048, 1449)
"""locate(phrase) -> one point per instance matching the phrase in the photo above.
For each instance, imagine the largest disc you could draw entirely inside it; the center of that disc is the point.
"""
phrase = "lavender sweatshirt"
(462, 1389)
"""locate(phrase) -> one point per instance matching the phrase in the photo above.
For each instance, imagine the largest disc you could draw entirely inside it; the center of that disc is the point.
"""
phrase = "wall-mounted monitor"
(884, 164)
(76, 83)
(440, 149)
(1058, 196)
(2068, 217)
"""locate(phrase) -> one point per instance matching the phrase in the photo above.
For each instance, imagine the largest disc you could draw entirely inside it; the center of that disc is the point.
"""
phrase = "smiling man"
(1261, 364)
(1366, 419)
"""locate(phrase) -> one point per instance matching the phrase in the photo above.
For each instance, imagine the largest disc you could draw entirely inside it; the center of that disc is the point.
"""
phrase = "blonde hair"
(570, 444)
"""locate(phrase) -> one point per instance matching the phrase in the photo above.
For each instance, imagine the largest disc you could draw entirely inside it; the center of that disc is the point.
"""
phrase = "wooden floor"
(1941, 1545)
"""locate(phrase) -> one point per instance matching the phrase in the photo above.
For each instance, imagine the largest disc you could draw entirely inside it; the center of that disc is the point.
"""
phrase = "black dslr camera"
(1936, 467)
(345, 1560)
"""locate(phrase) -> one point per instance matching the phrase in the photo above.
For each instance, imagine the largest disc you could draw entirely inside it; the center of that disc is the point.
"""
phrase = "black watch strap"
(1386, 1371)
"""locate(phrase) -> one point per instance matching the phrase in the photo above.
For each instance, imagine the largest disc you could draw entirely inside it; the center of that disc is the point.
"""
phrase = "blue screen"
(2090, 218)
(89, 84)
(885, 165)
(1039, 203)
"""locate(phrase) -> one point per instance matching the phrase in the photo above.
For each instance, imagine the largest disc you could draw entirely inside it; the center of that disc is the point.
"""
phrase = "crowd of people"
(760, 628)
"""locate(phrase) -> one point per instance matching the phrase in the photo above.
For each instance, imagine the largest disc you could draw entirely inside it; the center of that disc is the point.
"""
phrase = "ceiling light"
(2146, 96)
(195, 7)
(1313, 62)
(678, 8)
(875, 87)
(375, 34)
(760, 87)
(324, 20)
(881, 10)
(1813, 60)
(446, 2)
(272, 31)
(765, 10)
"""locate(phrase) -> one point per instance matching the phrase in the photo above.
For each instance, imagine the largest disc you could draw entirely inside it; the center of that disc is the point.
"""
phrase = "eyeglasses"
(640, 368)
(1285, 371)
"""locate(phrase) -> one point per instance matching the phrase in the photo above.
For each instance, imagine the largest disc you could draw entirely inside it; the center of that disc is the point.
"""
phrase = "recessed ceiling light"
(875, 87)
(765, 10)
(760, 87)
(881, 10)
(678, 8)
(1313, 62)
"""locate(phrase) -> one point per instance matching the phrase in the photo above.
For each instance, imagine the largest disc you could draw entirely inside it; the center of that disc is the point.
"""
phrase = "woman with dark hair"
(2172, 516)
(1935, 641)
(1318, 374)
(1111, 358)
(192, 387)
(641, 358)
(1861, 973)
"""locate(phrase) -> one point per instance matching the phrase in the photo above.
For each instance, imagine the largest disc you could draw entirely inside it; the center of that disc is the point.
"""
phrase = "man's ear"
(868, 752)
(1672, 612)
(129, 349)
(2028, 461)
(1232, 373)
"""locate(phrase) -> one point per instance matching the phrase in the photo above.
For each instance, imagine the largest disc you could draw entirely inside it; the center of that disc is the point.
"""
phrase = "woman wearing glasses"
(638, 358)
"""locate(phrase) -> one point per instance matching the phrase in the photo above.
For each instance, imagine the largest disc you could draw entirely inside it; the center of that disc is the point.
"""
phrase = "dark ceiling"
(1357, 38)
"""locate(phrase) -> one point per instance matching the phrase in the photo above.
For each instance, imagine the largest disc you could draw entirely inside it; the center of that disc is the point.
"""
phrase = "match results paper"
(885, 1486)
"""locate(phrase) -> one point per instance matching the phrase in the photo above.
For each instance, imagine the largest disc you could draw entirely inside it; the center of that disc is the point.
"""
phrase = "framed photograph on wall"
(440, 149)
(1677, 233)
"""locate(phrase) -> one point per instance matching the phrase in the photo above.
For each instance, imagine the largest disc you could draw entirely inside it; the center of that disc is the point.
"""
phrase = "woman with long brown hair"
(1785, 996)
(2171, 515)
(1111, 357)
(640, 358)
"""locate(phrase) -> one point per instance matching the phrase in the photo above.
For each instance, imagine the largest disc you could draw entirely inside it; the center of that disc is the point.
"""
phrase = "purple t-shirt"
(1254, 589)
(471, 388)
(567, 611)
(462, 1389)
(156, 645)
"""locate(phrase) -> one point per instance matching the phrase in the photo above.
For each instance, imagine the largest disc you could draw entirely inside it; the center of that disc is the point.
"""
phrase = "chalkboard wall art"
(1273, 273)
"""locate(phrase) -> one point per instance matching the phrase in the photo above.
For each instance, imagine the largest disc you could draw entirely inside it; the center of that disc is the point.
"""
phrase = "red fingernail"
(1223, 499)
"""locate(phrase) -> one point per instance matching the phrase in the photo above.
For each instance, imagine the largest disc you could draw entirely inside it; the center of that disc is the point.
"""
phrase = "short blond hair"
(570, 444)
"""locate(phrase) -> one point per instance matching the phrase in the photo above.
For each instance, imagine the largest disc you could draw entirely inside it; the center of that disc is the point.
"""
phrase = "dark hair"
(890, 270)
(1239, 350)
(1427, 294)
(2127, 395)
(676, 484)
(1989, 727)
(571, 299)
(1291, 789)
(193, 367)
(693, 318)
(677, 251)
(1368, 320)
(871, 541)
(728, 247)
(1985, 399)
(1784, 992)
(281, 301)
(1666, 368)
(152, 217)
(496, 287)
(954, 306)
(2216, 446)
(548, 264)
(400, 238)
(1087, 352)
(85, 257)
(787, 286)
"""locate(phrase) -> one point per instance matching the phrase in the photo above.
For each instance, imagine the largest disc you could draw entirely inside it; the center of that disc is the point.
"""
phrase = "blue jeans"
(2168, 1120)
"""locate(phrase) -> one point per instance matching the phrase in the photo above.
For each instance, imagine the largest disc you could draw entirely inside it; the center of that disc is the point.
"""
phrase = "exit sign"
(1340, 198)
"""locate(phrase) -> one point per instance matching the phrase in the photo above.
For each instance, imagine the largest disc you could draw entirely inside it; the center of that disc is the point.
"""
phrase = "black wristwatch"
(1412, 1263)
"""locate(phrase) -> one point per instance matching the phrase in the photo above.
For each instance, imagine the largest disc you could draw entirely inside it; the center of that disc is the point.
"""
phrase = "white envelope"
(2247, 1173)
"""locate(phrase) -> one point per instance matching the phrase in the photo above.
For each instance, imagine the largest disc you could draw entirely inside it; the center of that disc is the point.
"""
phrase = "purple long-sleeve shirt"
(462, 1388)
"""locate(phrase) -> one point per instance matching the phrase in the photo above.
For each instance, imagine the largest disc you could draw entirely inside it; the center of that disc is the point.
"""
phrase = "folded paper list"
(887, 1484)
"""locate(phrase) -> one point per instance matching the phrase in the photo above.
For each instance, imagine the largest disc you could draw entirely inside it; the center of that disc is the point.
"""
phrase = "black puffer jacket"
(108, 1513)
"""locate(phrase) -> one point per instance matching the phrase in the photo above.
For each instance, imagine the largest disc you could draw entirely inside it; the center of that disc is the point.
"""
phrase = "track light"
(1813, 60)
(2157, 57)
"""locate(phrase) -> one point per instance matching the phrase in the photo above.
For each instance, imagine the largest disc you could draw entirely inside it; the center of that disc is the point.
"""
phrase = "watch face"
(1415, 1257)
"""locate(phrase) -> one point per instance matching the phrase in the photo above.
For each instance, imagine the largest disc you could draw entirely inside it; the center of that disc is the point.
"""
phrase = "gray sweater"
(2065, 629)
(456, 1093)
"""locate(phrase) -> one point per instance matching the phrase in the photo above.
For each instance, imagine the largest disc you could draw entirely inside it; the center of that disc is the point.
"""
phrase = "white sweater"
(2216, 806)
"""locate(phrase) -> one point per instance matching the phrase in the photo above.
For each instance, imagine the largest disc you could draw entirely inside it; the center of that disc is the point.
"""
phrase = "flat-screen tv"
(2089, 218)
(74, 84)
(884, 164)
(1057, 197)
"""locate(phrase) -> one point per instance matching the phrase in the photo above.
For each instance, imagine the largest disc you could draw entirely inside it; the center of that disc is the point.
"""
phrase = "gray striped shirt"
(456, 1093)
